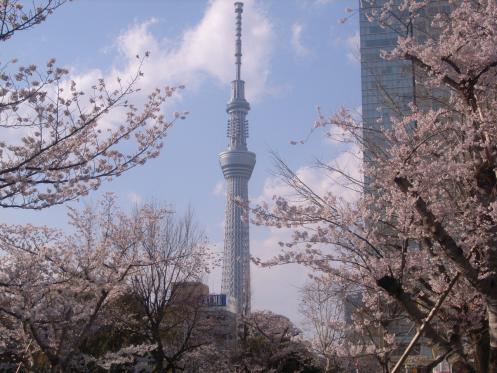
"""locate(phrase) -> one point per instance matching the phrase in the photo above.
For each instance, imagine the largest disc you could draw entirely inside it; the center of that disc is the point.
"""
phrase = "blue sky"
(296, 56)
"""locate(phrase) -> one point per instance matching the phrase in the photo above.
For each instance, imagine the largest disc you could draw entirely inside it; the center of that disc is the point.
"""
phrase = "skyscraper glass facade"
(388, 88)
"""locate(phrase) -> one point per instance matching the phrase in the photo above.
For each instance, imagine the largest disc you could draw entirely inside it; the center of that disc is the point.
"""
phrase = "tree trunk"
(492, 331)
(481, 342)
(394, 288)
(158, 353)
(159, 362)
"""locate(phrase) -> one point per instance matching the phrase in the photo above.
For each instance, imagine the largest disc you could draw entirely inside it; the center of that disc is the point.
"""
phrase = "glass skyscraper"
(388, 88)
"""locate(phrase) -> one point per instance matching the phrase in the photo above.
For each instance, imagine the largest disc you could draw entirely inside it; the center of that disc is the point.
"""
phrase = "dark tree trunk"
(481, 342)
(492, 331)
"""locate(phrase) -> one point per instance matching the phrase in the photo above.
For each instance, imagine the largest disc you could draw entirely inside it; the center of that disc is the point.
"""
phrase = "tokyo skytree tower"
(237, 164)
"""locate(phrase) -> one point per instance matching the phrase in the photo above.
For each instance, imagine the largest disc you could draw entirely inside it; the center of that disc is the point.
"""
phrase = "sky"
(297, 55)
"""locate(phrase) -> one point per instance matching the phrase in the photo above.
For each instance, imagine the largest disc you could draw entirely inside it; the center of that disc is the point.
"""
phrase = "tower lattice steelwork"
(237, 164)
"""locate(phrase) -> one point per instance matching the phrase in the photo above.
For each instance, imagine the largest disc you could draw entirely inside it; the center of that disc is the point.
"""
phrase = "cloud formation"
(135, 198)
(297, 45)
(219, 189)
(283, 294)
(317, 2)
(276, 288)
(353, 44)
(205, 50)
(322, 181)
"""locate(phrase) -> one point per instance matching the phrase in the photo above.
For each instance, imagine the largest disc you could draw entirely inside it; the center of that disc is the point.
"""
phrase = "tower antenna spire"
(238, 38)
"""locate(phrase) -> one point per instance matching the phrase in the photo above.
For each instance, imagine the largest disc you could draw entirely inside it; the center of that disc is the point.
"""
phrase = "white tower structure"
(237, 164)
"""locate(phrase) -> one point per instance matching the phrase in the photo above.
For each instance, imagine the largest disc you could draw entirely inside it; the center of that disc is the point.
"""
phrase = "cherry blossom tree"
(63, 296)
(326, 310)
(168, 293)
(269, 342)
(324, 315)
(57, 141)
(208, 358)
(422, 236)
(14, 17)
(55, 285)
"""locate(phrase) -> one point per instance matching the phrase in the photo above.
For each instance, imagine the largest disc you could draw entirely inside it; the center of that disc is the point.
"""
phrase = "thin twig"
(25, 350)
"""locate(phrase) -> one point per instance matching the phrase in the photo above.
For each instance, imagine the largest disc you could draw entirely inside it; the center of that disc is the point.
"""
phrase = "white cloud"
(206, 49)
(353, 44)
(203, 51)
(276, 288)
(220, 188)
(316, 3)
(297, 45)
(283, 296)
(349, 44)
(321, 181)
(135, 198)
(337, 135)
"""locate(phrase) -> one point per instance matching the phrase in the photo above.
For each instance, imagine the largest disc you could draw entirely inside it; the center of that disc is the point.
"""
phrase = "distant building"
(217, 317)
(224, 326)
(187, 292)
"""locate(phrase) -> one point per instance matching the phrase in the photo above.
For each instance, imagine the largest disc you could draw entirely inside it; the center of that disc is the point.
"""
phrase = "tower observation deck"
(237, 164)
